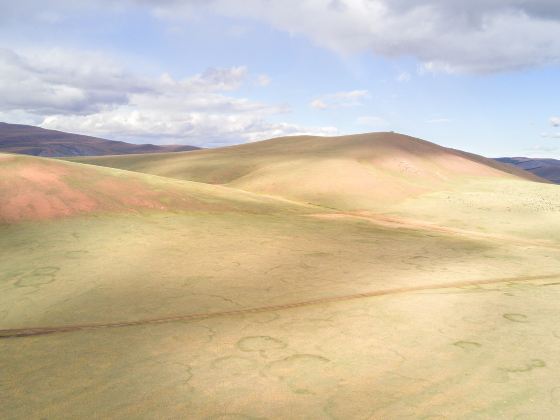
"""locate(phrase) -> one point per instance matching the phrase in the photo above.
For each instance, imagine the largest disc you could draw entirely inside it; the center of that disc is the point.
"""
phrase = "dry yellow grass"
(35, 188)
(428, 289)
(367, 171)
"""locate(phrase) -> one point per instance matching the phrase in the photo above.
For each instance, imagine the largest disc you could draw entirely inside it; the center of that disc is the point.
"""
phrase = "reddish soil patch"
(40, 189)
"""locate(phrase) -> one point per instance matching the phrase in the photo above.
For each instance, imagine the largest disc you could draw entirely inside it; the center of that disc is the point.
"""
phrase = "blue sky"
(481, 77)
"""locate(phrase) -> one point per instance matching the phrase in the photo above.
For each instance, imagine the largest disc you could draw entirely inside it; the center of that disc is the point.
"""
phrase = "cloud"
(92, 94)
(199, 129)
(456, 36)
(55, 81)
(340, 100)
(269, 130)
(555, 121)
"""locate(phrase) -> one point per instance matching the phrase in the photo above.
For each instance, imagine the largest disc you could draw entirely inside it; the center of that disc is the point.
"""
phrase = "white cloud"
(340, 100)
(56, 81)
(161, 126)
(90, 93)
(475, 36)
(555, 121)
(285, 129)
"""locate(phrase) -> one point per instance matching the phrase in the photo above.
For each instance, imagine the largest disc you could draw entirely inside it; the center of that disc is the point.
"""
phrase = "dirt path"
(33, 331)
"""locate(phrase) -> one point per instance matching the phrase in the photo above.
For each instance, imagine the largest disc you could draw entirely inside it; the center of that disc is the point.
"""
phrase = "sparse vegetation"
(303, 295)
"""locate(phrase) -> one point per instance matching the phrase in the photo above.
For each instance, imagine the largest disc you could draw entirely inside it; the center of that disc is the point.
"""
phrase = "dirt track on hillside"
(34, 331)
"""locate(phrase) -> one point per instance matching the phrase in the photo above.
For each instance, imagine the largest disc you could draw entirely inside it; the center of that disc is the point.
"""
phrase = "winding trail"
(34, 331)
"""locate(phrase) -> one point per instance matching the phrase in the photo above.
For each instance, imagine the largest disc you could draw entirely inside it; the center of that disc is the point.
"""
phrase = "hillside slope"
(34, 188)
(358, 172)
(545, 168)
(165, 298)
(36, 141)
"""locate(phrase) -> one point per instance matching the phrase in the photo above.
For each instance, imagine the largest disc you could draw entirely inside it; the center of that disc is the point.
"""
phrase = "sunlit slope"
(122, 245)
(505, 206)
(224, 303)
(134, 266)
(33, 188)
(388, 330)
(375, 173)
(358, 172)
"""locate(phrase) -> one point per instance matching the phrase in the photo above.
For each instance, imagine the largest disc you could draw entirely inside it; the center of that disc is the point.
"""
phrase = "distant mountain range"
(545, 168)
(36, 141)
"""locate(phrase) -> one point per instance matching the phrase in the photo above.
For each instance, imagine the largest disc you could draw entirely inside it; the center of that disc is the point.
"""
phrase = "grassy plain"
(444, 305)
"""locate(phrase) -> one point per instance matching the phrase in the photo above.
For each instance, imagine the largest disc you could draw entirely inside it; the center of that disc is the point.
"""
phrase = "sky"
(481, 76)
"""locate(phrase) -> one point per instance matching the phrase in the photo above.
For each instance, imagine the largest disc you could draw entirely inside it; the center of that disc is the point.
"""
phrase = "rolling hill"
(34, 188)
(372, 276)
(358, 172)
(36, 141)
(544, 168)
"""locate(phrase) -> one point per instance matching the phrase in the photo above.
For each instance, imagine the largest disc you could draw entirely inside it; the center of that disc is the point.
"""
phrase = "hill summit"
(363, 171)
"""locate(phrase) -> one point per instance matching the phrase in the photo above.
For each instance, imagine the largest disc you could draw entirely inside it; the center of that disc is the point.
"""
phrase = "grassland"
(360, 172)
(238, 304)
